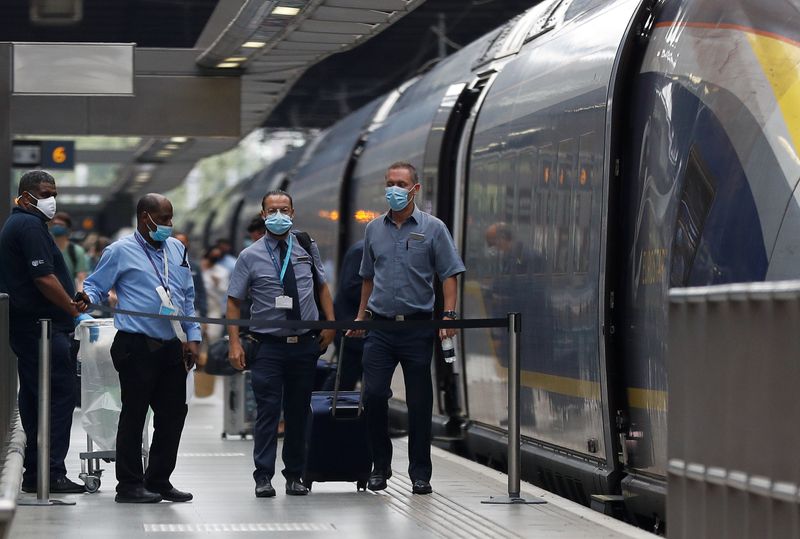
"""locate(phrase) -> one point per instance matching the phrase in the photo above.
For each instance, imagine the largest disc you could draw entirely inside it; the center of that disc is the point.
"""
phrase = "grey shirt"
(401, 262)
(255, 274)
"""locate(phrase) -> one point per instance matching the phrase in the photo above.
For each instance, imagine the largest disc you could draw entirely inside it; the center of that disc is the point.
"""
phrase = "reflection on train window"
(526, 168)
(583, 201)
(565, 168)
(545, 186)
(694, 205)
(505, 178)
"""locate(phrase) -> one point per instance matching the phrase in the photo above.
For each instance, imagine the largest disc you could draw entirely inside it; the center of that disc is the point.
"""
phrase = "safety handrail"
(10, 426)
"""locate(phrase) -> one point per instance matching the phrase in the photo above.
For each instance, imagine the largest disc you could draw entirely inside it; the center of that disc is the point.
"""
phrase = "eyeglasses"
(274, 211)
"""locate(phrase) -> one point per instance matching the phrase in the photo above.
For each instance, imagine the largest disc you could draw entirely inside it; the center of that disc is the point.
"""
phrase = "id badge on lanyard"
(167, 307)
(283, 301)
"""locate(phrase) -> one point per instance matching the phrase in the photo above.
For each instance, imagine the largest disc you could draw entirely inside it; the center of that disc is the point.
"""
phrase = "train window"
(587, 159)
(565, 172)
(694, 205)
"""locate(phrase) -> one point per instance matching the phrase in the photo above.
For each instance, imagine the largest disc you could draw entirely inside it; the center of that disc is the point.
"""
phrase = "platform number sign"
(58, 154)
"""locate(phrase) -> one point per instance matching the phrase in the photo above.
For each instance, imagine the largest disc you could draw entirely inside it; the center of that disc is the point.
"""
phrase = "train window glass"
(564, 180)
(546, 157)
(694, 205)
(587, 153)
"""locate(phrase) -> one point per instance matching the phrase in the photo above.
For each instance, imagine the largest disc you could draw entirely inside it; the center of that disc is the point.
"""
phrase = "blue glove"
(81, 317)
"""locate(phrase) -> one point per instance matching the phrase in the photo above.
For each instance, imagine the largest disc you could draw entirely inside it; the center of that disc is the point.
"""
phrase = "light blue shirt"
(255, 275)
(124, 266)
(401, 262)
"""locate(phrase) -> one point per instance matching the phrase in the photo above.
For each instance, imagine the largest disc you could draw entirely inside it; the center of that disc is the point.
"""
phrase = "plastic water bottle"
(448, 350)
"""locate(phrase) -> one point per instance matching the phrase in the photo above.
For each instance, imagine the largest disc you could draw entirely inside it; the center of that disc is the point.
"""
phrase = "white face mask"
(46, 205)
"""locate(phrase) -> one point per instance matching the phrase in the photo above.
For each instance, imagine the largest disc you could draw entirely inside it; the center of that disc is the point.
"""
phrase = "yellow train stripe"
(648, 399)
(780, 61)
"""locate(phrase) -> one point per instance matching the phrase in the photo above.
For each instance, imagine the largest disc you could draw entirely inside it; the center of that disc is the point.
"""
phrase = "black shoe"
(264, 489)
(29, 487)
(377, 479)
(421, 486)
(137, 495)
(295, 488)
(175, 495)
(62, 485)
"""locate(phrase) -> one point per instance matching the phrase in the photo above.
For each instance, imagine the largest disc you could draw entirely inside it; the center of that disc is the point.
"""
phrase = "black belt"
(400, 317)
(283, 339)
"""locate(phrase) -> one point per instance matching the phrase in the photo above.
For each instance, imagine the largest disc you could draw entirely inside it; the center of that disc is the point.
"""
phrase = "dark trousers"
(282, 372)
(350, 359)
(25, 345)
(151, 374)
(382, 352)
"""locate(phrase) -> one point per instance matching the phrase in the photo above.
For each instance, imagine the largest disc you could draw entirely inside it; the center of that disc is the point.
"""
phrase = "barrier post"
(43, 428)
(514, 454)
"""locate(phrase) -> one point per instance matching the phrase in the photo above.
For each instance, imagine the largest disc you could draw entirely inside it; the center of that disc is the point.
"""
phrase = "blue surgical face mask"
(397, 197)
(161, 233)
(59, 230)
(278, 223)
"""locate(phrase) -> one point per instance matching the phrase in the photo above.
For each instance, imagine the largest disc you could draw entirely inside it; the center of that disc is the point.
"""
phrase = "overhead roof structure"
(207, 72)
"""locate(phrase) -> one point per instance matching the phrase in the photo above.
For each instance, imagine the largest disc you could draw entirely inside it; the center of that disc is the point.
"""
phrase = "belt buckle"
(400, 317)
(292, 339)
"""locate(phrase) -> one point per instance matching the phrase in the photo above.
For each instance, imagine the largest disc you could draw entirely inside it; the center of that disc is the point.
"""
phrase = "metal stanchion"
(514, 455)
(43, 438)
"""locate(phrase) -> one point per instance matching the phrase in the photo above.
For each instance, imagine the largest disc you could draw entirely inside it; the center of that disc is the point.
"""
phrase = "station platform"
(219, 474)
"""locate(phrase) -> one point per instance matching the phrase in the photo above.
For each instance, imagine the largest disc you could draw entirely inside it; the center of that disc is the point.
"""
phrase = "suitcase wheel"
(361, 486)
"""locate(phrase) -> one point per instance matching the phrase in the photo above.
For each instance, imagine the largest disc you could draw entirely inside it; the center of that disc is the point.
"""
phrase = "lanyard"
(150, 258)
(281, 271)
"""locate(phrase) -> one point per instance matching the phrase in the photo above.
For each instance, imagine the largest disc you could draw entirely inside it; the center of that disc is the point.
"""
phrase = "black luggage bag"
(338, 447)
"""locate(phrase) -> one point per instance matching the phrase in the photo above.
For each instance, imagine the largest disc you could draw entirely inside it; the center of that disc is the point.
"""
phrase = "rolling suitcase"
(338, 447)
(239, 407)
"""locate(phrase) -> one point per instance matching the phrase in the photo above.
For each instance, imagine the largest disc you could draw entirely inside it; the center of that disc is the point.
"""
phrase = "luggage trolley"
(101, 400)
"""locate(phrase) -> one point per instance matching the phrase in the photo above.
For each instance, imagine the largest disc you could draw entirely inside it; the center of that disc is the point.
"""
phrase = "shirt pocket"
(419, 255)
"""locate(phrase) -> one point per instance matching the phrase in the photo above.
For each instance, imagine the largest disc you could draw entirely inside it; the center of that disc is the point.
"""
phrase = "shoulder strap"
(304, 239)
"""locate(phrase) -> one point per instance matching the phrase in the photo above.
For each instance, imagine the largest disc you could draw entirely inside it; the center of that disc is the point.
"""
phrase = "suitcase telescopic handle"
(339, 380)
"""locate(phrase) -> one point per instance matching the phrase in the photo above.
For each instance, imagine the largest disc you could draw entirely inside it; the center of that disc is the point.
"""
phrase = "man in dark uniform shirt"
(34, 275)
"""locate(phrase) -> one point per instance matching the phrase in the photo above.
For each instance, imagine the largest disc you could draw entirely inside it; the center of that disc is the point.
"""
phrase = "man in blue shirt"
(403, 248)
(150, 274)
(35, 277)
(276, 272)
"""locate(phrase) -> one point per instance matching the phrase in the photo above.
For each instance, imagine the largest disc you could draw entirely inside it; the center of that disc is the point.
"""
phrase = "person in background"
(35, 276)
(227, 260)
(403, 248)
(74, 255)
(152, 356)
(278, 274)
(215, 278)
(255, 231)
(97, 246)
(200, 299)
(345, 306)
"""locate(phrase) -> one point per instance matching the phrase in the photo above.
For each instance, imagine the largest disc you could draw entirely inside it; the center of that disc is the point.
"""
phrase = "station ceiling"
(281, 64)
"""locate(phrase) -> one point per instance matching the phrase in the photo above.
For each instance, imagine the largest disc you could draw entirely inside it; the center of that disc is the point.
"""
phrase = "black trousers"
(151, 375)
(413, 351)
(25, 344)
(282, 373)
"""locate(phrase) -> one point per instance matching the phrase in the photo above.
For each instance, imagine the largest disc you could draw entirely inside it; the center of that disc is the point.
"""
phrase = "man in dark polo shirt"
(34, 275)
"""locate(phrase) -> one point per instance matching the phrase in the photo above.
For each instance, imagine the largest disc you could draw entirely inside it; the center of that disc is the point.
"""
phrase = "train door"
(439, 173)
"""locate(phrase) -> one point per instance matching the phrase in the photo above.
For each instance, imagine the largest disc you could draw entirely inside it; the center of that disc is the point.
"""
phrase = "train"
(587, 156)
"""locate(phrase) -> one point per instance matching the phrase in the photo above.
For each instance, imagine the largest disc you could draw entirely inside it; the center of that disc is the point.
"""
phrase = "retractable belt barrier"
(383, 325)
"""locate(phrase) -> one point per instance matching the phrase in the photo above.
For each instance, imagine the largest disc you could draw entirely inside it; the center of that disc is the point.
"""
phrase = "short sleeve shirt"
(27, 252)
(255, 275)
(402, 261)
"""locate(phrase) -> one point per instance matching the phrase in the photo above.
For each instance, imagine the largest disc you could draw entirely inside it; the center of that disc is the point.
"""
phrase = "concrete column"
(5, 131)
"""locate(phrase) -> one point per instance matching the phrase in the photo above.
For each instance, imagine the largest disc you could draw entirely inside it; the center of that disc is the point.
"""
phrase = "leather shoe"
(175, 495)
(421, 486)
(377, 479)
(264, 489)
(62, 485)
(137, 495)
(295, 488)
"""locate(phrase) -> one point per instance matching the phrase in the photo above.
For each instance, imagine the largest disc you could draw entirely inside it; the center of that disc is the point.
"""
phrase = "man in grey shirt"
(276, 272)
(403, 248)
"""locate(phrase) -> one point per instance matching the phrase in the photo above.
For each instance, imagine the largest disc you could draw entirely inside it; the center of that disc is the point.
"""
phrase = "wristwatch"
(450, 314)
